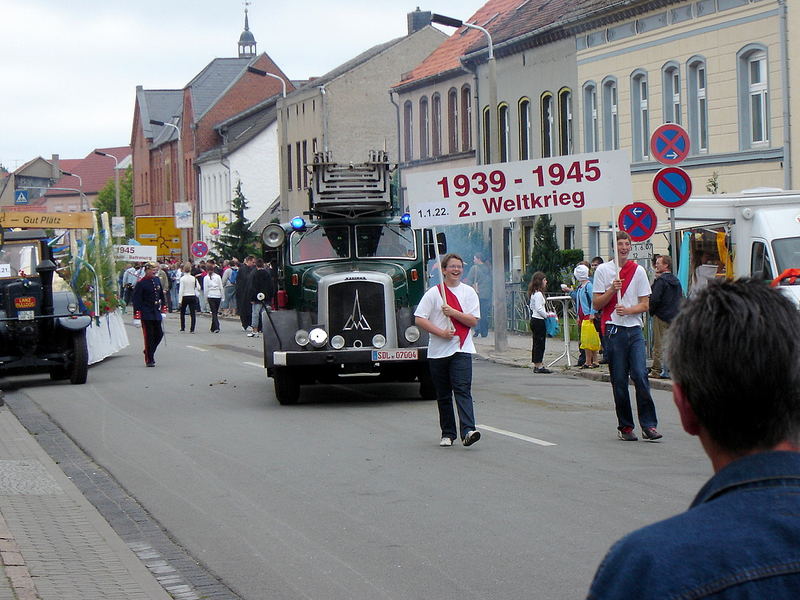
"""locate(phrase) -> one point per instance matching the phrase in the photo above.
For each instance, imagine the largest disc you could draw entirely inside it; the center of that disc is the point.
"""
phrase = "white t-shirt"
(603, 278)
(430, 307)
(213, 286)
(536, 304)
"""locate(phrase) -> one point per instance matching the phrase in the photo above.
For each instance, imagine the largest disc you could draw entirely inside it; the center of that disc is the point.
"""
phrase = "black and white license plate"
(395, 354)
(25, 315)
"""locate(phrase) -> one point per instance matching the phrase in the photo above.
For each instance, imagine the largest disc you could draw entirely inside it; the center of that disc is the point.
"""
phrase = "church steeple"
(247, 42)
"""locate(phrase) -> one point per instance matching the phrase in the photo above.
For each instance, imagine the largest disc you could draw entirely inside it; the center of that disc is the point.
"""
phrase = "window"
(408, 130)
(753, 96)
(299, 166)
(548, 125)
(640, 121)
(565, 125)
(503, 132)
(698, 105)
(424, 128)
(591, 123)
(594, 239)
(569, 237)
(610, 115)
(436, 129)
(524, 108)
(671, 83)
(760, 266)
(487, 146)
(289, 166)
(305, 163)
(452, 121)
(466, 119)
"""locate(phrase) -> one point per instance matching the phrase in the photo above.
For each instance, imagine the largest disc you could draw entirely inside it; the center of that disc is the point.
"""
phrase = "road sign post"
(670, 145)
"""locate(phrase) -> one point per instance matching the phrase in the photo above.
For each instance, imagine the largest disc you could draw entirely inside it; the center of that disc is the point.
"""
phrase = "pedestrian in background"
(480, 279)
(739, 537)
(536, 288)
(665, 302)
(260, 283)
(448, 312)
(582, 299)
(188, 289)
(243, 292)
(213, 289)
(623, 293)
(229, 277)
(149, 304)
(596, 262)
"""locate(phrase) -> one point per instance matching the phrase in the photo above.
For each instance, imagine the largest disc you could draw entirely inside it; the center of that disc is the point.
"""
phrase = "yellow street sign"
(161, 233)
(50, 220)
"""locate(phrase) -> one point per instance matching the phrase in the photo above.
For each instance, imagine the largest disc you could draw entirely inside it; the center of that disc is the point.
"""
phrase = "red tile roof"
(446, 57)
(94, 170)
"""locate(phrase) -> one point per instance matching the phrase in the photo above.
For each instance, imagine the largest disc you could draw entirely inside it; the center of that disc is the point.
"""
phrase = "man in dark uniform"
(149, 302)
(243, 291)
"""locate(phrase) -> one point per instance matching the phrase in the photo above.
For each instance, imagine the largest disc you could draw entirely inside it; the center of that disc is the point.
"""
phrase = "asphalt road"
(349, 496)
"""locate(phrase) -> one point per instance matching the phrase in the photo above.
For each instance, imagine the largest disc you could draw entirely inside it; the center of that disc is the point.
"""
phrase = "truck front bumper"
(371, 357)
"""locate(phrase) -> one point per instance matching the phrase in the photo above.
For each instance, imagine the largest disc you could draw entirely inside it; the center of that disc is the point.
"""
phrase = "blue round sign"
(199, 249)
(672, 187)
(638, 220)
(669, 144)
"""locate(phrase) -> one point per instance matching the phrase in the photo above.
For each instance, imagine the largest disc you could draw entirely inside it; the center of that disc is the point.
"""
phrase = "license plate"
(25, 302)
(25, 315)
(395, 354)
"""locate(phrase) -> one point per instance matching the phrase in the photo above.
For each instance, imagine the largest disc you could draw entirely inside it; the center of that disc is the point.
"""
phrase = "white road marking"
(518, 436)
(198, 349)
(252, 364)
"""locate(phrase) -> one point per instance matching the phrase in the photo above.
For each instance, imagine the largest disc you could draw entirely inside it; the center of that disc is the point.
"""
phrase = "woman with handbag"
(536, 290)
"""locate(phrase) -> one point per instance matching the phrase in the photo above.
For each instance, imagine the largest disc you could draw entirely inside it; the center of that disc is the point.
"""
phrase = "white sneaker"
(472, 437)
(446, 441)
(250, 334)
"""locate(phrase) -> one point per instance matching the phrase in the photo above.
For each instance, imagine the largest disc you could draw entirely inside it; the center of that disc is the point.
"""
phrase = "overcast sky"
(69, 68)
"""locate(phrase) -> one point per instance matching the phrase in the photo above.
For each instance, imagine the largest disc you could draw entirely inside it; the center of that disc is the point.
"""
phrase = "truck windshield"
(19, 260)
(320, 243)
(787, 253)
(385, 241)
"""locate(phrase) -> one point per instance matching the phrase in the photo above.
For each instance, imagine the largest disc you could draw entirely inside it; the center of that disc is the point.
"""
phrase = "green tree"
(545, 255)
(106, 200)
(236, 239)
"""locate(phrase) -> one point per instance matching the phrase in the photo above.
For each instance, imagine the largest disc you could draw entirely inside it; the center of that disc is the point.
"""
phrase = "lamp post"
(283, 137)
(116, 180)
(181, 195)
(84, 205)
(498, 267)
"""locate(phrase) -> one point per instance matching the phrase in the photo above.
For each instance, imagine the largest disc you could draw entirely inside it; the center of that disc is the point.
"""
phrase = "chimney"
(418, 20)
(56, 173)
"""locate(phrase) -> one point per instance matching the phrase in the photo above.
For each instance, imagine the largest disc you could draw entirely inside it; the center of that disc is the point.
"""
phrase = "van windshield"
(787, 253)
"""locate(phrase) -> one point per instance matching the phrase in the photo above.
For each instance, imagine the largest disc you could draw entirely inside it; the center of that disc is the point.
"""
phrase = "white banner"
(184, 217)
(519, 189)
(117, 226)
(135, 253)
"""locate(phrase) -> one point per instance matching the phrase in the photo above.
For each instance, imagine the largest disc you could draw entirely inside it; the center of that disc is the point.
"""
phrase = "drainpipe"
(400, 188)
(787, 127)
(324, 93)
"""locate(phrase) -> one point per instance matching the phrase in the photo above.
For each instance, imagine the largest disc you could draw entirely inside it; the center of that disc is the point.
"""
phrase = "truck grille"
(356, 311)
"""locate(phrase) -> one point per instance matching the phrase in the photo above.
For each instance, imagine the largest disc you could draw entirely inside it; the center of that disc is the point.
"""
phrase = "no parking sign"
(638, 220)
(199, 249)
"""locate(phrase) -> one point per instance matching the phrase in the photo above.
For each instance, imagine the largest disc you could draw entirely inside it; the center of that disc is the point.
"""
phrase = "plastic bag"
(551, 327)
(590, 340)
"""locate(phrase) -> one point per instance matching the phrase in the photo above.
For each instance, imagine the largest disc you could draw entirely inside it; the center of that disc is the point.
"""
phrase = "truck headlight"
(301, 338)
(378, 341)
(337, 342)
(318, 337)
(412, 333)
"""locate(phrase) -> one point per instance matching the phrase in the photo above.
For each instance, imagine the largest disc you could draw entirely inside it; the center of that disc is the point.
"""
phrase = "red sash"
(626, 275)
(462, 331)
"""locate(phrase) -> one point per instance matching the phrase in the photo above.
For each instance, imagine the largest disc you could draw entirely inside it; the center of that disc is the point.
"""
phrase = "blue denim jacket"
(740, 539)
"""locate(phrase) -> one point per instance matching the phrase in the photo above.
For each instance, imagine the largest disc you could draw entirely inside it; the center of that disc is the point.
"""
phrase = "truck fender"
(279, 327)
(76, 323)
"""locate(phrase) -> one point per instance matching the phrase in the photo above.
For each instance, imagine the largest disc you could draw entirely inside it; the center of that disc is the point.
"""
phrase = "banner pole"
(616, 252)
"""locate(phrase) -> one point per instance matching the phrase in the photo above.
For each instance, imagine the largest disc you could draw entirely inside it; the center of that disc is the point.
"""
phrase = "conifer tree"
(236, 239)
(545, 255)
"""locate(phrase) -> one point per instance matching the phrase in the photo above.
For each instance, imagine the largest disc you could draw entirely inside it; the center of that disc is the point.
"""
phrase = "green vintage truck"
(350, 274)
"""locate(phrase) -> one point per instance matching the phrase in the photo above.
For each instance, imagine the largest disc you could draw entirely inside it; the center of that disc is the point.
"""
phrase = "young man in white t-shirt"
(624, 342)
(450, 348)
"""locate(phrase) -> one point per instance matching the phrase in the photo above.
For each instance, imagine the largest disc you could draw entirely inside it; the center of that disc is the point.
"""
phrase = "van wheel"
(287, 385)
(80, 359)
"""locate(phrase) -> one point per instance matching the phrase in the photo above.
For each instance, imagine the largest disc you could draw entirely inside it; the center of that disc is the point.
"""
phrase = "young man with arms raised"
(623, 294)
(739, 538)
(447, 312)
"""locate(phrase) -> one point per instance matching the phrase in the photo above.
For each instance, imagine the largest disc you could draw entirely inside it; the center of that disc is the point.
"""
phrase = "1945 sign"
(517, 189)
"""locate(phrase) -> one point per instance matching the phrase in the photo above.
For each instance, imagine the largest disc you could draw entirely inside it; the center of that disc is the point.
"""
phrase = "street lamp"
(181, 196)
(116, 179)
(283, 140)
(84, 205)
(498, 268)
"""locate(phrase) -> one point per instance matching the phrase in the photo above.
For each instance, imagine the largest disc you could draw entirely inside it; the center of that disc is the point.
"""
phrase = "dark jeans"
(213, 304)
(538, 335)
(452, 377)
(153, 334)
(193, 304)
(626, 357)
(483, 323)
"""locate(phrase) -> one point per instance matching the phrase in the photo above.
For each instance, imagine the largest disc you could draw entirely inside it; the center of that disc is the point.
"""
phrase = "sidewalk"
(54, 544)
(518, 354)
